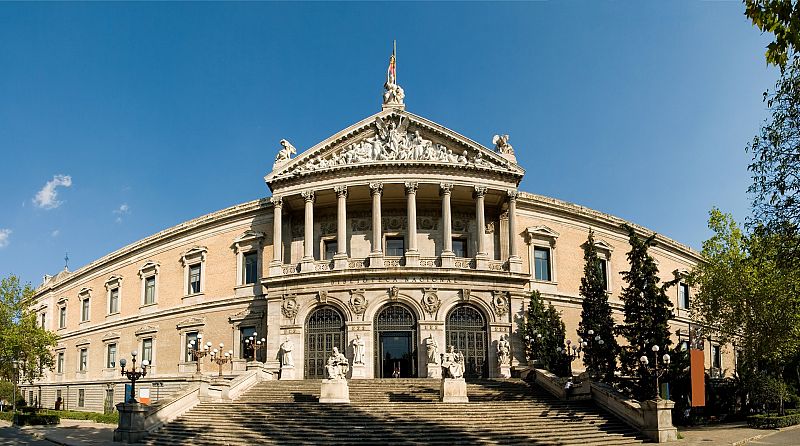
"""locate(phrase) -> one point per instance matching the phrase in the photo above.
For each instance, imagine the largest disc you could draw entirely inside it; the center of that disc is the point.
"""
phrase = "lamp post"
(534, 344)
(158, 385)
(197, 351)
(589, 343)
(655, 369)
(133, 375)
(220, 358)
(253, 344)
(14, 398)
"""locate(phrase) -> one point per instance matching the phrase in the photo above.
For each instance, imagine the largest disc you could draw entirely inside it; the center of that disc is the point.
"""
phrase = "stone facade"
(395, 229)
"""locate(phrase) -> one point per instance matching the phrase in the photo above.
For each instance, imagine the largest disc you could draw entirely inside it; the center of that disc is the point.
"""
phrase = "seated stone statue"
(452, 363)
(337, 366)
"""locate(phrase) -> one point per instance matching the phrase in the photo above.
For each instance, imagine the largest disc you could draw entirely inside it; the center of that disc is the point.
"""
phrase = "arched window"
(465, 329)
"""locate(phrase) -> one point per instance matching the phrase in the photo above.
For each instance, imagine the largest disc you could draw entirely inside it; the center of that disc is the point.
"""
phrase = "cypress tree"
(597, 326)
(544, 334)
(647, 312)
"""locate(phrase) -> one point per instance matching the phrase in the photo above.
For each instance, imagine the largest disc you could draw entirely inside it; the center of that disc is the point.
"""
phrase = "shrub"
(774, 421)
(111, 418)
(22, 419)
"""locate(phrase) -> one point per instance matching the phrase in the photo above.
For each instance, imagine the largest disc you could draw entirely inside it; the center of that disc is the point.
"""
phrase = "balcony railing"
(396, 262)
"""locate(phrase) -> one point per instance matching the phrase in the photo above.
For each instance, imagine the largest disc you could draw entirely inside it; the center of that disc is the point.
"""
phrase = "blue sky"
(139, 116)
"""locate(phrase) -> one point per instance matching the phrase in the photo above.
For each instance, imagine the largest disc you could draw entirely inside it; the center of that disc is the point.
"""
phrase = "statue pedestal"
(504, 371)
(334, 391)
(658, 420)
(434, 371)
(359, 371)
(130, 428)
(287, 372)
(454, 390)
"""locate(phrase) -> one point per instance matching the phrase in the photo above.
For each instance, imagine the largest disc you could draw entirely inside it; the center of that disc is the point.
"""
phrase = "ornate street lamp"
(133, 375)
(220, 358)
(197, 351)
(656, 370)
(590, 341)
(252, 344)
(534, 344)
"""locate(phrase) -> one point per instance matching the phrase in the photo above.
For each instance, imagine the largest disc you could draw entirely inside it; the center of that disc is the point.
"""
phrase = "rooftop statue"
(394, 93)
(501, 144)
(286, 152)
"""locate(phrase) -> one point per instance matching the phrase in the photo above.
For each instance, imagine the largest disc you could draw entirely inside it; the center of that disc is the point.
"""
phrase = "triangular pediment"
(393, 137)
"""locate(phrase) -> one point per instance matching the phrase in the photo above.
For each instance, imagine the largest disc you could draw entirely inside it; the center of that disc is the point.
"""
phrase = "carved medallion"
(358, 303)
(430, 300)
(322, 297)
(500, 302)
(394, 293)
(289, 307)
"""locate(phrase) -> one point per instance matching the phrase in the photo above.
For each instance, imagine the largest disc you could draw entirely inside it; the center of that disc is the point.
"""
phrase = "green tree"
(544, 333)
(596, 323)
(780, 18)
(647, 312)
(534, 326)
(21, 337)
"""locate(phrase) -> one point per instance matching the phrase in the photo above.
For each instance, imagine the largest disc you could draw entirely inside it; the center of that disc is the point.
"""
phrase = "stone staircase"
(396, 412)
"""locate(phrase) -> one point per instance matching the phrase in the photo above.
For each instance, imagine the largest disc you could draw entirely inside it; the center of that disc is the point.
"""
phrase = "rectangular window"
(604, 272)
(683, 296)
(395, 246)
(716, 357)
(150, 290)
(84, 358)
(62, 317)
(81, 397)
(113, 301)
(541, 261)
(245, 348)
(194, 279)
(60, 363)
(147, 350)
(84, 310)
(191, 336)
(330, 249)
(44, 320)
(111, 356)
(460, 246)
(251, 267)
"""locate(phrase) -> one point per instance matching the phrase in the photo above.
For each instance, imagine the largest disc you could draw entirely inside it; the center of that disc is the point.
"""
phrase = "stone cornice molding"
(114, 281)
(540, 232)
(149, 268)
(110, 336)
(191, 322)
(194, 253)
(246, 315)
(146, 330)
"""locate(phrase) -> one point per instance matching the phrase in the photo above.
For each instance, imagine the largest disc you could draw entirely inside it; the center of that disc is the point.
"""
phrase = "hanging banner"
(698, 373)
(144, 396)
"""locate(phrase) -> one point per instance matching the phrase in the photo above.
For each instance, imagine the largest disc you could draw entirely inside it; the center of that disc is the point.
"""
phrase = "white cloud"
(4, 234)
(55, 233)
(47, 198)
(123, 209)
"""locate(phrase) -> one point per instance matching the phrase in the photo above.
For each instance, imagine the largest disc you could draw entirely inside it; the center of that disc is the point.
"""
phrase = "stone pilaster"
(276, 265)
(514, 260)
(307, 262)
(446, 190)
(481, 257)
(340, 258)
(412, 253)
(376, 256)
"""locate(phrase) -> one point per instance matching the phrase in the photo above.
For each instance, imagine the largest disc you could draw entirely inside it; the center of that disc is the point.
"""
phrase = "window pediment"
(247, 240)
(82, 342)
(63, 300)
(540, 233)
(194, 254)
(110, 336)
(85, 292)
(191, 322)
(113, 281)
(149, 268)
(246, 314)
(148, 329)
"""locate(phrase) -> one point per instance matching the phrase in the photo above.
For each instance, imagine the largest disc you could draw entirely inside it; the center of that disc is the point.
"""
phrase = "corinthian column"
(412, 253)
(482, 256)
(340, 258)
(514, 261)
(307, 262)
(276, 265)
(447, 226)
(376, 256)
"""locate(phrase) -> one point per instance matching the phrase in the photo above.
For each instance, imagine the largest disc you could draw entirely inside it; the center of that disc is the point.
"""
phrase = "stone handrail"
(652, 417)
(555, 386)
(167, 410)
(627, 410)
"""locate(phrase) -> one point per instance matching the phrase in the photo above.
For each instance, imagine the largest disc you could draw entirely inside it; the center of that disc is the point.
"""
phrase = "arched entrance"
(396, 342)
(324, 330)
(466, 330)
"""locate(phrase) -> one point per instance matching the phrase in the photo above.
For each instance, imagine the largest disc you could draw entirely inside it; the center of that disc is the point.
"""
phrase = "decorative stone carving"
(327, 227)
(359, 348)
(111, 335)
(375, 188)
(276, 201)
(322, 296)
(480, 191)
(452, 363)
(337, 366)
(394, 293)
(286, 152)
(358, 303)
(432, 350)
(465, 294)
(490, 227)
(287, 346)
(289, 306)
(341, 191)
(308, 195)
(148, 329)
(500, 302)
(191, 322)
(501, 144)
(411, 187)
(430, 300)
(503, 351)
(360, 225)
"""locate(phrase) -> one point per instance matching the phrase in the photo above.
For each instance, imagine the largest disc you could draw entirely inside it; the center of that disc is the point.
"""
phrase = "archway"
(325, 329)
(396, 342)
(465, 329)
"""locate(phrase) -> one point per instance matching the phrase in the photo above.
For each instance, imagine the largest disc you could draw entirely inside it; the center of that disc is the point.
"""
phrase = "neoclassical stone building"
(394, 230)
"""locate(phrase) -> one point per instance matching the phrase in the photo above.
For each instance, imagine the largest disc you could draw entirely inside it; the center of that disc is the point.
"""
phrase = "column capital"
(513, 194)
(445, 188)
(411, 187)
(308, 195)
(341, 191)
(376, 188)
(276, 201)
(480, 191)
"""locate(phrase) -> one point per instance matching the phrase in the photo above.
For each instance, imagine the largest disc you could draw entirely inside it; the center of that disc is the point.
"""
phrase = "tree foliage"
(747, 295)
(780, 18)
(647, 310)
(544, 334)
(600, 358)
(21, 337)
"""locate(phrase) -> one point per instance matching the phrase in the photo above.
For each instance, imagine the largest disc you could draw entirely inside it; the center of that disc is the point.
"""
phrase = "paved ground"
(786, 437)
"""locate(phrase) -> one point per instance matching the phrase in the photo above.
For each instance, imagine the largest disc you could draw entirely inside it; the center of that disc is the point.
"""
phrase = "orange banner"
(698, 372)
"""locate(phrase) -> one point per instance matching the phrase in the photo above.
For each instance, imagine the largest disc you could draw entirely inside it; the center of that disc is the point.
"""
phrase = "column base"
(275, 268)
(334, 391)
(412, 258)
(287, 373)
(359, 371)
(482, 261)
(340, 261)
(376, 259)
(307, 265)
(658, 421)
(448, 259)
(454, 390)
(515, 264)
